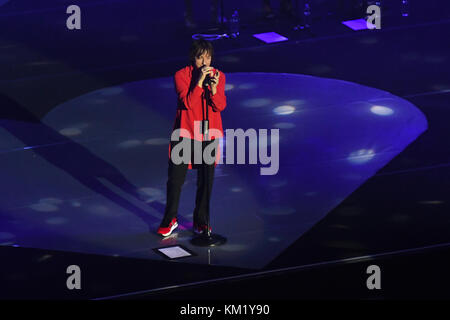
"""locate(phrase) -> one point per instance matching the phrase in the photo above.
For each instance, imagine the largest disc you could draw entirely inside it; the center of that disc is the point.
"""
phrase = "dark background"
(42, 64)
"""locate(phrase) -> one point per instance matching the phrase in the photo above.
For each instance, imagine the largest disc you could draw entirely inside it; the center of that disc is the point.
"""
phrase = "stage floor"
(90, 176)
(85, 124)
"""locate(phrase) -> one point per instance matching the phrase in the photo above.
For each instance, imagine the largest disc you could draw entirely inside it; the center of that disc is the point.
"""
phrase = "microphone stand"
(207, 239)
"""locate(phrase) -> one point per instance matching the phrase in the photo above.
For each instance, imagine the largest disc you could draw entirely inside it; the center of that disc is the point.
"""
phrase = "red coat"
(191, 102)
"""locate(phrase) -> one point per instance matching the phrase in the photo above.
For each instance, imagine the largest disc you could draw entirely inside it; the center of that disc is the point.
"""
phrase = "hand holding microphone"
(205, 76)
(214, 81)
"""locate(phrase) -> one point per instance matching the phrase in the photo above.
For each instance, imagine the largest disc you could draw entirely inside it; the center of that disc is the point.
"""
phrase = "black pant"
(175, 181)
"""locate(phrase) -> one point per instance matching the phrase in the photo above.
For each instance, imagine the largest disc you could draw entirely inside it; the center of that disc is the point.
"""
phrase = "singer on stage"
(201, 97)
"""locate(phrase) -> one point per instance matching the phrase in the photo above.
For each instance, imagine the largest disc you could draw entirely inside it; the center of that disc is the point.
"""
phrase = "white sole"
(171, 229)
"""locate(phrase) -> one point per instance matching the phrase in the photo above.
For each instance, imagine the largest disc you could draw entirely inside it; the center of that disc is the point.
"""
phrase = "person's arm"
(218, 98)
(189, 98)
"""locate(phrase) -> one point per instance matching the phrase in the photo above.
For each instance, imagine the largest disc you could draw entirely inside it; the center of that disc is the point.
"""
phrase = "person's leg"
(203, 196)
(204, 189)
(175, 181)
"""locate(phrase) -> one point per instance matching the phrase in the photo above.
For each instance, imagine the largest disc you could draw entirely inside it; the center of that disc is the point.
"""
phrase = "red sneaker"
(199, 229)
(167, 231)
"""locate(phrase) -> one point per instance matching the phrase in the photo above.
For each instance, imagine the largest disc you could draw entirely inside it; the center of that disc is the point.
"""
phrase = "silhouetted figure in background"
(214, 13)
(286, 9)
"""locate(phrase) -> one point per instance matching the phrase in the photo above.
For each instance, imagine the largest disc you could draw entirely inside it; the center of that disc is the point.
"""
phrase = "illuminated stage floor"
(90, 176)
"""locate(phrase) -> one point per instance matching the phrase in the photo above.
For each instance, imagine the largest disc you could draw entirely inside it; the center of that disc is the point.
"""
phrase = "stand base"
(212, 240)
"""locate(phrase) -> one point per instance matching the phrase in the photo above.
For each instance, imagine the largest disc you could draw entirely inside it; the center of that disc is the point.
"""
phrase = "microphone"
(207, 81)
